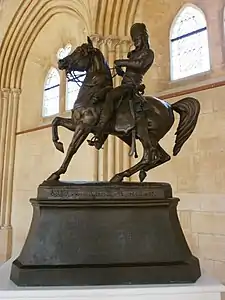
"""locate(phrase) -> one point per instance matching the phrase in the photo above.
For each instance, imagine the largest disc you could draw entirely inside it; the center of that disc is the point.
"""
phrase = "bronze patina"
(122, 111)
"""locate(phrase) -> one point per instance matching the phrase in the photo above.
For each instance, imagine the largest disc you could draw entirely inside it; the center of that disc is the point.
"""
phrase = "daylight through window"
(189, 44)
(55, 83)
(51, 93)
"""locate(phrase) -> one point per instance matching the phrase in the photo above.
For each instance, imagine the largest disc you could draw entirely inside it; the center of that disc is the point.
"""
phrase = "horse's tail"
(188, 109)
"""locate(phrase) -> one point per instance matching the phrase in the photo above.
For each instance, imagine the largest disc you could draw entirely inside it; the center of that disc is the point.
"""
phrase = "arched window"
(51, 93)
(72, 87)
(55, 85)
(189, 44)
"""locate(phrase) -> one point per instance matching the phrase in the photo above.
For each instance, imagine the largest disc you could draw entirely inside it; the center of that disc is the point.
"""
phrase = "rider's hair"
(139, 29)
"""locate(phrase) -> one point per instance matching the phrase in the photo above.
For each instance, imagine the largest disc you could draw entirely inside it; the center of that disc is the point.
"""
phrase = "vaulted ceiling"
(115, 17)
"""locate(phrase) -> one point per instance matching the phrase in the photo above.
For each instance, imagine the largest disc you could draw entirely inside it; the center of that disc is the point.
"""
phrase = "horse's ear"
(90, 42)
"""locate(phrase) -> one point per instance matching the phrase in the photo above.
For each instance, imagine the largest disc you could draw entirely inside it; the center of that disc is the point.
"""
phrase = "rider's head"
(139, 35)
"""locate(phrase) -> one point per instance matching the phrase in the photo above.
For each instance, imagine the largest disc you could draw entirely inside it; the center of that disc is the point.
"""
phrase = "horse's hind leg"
(64, 122)
(163, 158)
(146, 158)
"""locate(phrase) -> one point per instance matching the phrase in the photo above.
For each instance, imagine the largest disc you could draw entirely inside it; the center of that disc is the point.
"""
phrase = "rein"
(71, 76)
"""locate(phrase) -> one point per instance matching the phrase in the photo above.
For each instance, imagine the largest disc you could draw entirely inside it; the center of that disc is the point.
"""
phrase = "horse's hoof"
(53, 177)
(116, 178)
(142, 175)
(91, 143)
(59, 146)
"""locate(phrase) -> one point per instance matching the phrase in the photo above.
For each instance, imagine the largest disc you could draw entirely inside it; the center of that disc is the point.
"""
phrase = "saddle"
(128, 110)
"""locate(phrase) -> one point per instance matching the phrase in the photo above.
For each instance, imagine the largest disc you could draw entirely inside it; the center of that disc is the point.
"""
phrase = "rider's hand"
(95, 99)
(129, 54)
(118, 62)
(119, 71)
(141, 88)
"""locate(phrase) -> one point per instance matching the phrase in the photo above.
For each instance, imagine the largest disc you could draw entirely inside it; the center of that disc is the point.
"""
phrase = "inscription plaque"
(104, 191)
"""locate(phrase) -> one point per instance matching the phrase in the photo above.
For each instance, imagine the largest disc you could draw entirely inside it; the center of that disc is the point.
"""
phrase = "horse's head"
(80, 59)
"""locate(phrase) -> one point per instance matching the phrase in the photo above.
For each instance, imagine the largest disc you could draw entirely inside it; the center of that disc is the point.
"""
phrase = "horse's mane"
(102, 62)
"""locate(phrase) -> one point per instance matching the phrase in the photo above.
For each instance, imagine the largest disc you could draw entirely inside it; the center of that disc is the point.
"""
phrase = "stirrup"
(95, 141)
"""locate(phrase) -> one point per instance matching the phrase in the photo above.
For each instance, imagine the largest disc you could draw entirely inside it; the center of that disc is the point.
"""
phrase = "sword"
(133, 149)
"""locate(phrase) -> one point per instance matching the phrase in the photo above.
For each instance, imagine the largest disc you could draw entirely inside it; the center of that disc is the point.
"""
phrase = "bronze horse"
(150, 124)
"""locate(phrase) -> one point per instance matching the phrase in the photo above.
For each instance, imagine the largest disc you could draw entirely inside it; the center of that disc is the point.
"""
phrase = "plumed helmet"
(138, 29)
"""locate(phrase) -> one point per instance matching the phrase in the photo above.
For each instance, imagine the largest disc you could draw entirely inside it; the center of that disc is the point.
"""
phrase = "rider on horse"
(137, 64)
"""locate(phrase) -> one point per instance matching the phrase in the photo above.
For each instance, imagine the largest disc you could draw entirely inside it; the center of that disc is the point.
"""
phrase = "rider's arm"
(135, 63)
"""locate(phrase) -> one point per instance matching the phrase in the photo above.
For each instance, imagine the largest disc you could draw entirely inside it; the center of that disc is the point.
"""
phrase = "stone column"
(103, 154)
(112, 42)
(96, 40)
(9, 114)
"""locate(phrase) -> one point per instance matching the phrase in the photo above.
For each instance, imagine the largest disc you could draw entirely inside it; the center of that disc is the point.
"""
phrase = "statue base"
(104, 234)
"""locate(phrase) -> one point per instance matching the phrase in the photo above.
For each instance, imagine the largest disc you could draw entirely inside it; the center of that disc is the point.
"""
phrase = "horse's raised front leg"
(78, 138)
(64, 122)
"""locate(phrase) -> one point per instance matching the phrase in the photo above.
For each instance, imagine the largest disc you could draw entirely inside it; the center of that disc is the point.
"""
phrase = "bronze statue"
(122, 111)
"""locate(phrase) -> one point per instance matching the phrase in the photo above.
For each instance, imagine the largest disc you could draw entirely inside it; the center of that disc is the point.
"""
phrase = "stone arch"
(197, 8)
(25, 27)
(115, 17)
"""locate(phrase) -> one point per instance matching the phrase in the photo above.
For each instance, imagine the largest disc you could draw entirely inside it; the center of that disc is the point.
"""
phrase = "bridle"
(72, 76)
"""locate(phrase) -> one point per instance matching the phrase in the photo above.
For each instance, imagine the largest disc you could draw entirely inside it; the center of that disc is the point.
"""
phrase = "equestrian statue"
(122, 111)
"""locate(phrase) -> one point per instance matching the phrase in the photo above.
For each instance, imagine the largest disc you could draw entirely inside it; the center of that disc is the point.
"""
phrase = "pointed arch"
(51, 93)
(24, 28)
(72, 86)
(189, 47)
(107, 14)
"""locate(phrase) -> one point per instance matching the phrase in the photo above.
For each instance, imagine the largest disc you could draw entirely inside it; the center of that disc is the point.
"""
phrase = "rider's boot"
(98, 139)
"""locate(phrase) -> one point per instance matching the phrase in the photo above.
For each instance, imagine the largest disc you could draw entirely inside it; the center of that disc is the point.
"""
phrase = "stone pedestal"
(104, 234)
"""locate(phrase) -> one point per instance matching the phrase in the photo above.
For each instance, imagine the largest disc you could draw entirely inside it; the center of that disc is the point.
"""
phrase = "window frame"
(63, 86)
(50, 70)
(184, 36)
